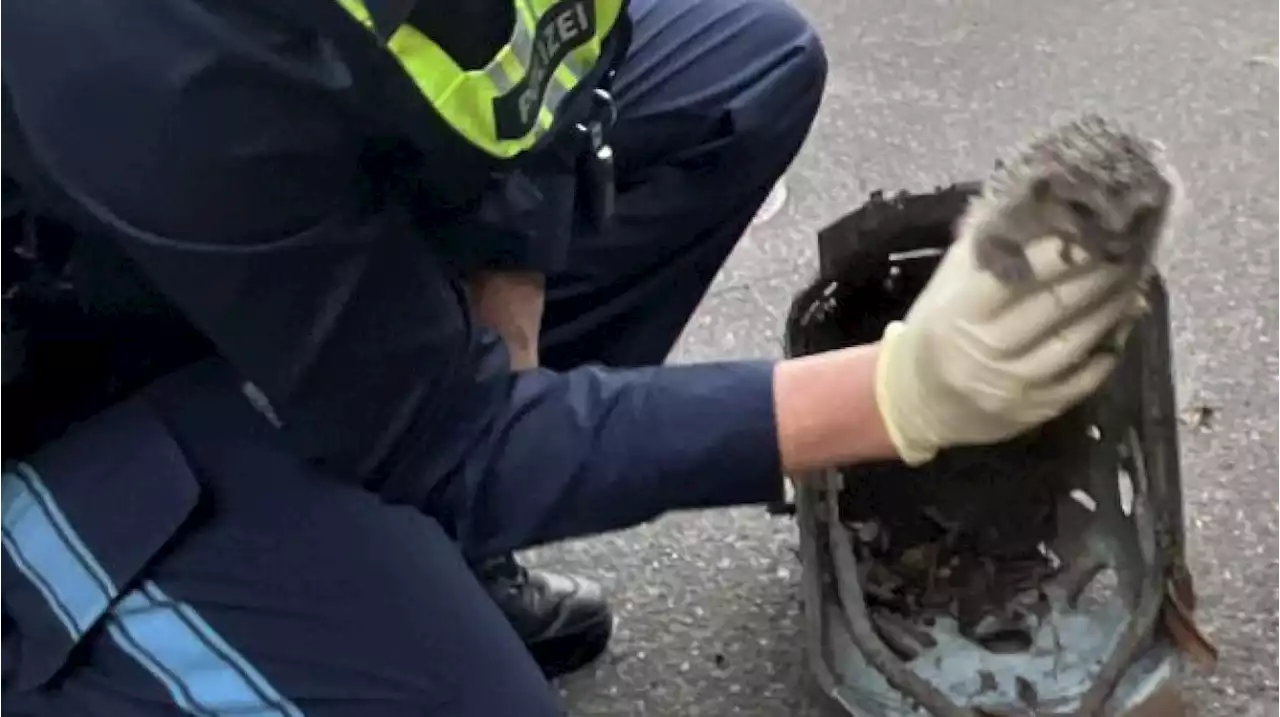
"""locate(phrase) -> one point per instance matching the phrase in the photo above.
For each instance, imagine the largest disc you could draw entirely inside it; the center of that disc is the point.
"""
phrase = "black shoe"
(563, 620)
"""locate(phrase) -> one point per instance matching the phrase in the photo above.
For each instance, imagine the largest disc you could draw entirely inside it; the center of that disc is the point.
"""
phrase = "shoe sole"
(562, 654)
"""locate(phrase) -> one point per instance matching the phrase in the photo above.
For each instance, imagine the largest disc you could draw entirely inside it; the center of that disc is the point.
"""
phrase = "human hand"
(510, 303)
(977, 361)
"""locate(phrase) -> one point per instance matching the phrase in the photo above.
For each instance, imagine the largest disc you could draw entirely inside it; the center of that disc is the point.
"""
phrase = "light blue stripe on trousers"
(204, 675)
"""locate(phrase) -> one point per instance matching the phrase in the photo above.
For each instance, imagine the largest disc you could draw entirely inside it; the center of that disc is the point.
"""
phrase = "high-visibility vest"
(505, 107)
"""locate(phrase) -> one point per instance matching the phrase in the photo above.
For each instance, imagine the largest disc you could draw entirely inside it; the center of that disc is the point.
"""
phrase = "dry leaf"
(867, 531)
(1200, 417)
(920, 558)
(898, 639)
(1182, 627)
(1027, 692)
(987, 682)
(1182, 587)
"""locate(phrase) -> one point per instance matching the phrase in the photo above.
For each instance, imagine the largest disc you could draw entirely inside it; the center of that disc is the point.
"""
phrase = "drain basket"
(1045, 575)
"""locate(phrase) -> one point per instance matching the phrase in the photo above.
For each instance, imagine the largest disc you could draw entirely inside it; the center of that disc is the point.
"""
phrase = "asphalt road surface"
(924, 92)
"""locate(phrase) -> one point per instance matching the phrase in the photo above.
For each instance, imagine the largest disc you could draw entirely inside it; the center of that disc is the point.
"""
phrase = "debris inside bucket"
(974, 577)
(996, 598)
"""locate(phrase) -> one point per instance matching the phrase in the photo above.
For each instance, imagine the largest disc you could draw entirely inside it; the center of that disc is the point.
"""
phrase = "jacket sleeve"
(237, 189)
(524, 221)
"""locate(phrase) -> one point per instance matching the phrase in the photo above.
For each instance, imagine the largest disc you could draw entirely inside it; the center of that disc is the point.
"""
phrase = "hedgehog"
(1098, 188)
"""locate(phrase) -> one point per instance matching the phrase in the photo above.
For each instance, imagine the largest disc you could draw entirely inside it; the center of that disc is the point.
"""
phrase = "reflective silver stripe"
(522, 39)
(569, 62)
(521, 44)
(557, 90)
(498, 77)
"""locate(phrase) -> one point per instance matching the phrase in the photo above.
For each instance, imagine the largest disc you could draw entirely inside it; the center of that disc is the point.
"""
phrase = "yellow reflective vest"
(505, 107)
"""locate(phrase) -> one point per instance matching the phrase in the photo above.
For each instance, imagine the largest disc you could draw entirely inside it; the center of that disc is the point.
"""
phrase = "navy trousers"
(285, 592)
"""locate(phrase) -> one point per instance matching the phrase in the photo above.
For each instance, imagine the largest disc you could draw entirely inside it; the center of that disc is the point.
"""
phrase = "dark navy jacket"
(267, 170)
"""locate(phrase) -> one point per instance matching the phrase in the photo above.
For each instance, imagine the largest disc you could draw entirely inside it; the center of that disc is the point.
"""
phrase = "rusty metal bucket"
(1043, 576)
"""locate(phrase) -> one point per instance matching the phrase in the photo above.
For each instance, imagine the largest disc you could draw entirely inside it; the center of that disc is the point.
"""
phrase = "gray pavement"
(923, 92)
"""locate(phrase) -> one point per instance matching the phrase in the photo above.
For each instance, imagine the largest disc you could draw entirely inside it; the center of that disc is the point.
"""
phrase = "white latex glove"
(978, 362)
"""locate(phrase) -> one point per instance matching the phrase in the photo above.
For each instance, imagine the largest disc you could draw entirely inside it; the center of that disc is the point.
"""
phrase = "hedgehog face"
(1117, 221)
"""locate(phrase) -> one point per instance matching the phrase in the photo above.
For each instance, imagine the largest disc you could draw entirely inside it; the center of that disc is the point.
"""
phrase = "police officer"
(327, 306)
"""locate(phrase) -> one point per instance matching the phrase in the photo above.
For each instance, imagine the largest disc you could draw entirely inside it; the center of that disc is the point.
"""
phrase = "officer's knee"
(787, 98)
(780, 19)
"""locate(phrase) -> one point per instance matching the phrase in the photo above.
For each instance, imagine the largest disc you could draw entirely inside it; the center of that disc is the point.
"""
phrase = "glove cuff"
(889, 399)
